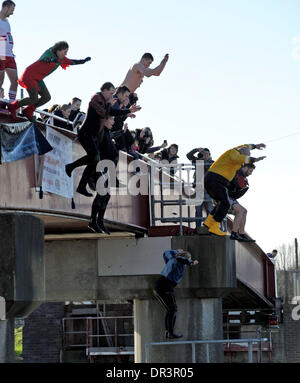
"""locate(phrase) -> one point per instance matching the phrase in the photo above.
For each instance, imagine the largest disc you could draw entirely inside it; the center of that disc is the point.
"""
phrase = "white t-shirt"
(6, 40)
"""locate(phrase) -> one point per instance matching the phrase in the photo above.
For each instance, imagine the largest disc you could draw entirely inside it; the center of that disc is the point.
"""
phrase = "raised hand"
(135, 108)
(260, 158)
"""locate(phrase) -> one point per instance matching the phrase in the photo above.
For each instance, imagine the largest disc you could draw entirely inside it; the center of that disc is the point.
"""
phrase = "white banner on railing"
(55, 179)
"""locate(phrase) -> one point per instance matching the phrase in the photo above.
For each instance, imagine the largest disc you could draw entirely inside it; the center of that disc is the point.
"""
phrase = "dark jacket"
(73, 114)
(238, 186)
(123, 140)
(175, 266)
(165, 156)
(61, 124)
(119, 120)
(207, 164)
(108, 150)
(97, 111)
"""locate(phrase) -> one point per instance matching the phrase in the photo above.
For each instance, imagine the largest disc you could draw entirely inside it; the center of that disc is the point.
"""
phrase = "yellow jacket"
(230, 162)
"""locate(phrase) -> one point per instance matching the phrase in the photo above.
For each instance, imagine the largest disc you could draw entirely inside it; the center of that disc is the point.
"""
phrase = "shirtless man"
(135, 75)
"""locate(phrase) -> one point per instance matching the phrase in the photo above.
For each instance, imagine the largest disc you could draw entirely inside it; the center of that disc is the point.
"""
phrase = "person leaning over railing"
(63, 111)
(168, 155)
(145, 141)
(33, 76)
(217, 180)
(75, 105)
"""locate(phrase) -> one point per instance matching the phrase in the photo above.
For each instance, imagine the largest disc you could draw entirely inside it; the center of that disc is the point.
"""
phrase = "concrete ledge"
(68, 237)
(22, 283)
(127, 268)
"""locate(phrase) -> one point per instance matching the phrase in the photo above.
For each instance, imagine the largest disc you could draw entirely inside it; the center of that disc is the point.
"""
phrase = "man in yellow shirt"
(217, 180)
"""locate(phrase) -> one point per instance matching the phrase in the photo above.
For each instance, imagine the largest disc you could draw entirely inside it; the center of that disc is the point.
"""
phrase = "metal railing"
(112, 339)
(50, 115)
(180, 187)
(193, 343)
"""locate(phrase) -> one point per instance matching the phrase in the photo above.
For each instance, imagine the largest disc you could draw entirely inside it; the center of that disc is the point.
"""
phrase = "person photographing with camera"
(205, 156)
(145, 141)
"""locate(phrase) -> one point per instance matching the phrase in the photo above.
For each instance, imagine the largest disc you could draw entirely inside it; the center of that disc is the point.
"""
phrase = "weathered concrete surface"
(196, 319)
(2, 309)
(22, 283)
(7, 341)
(87, 269)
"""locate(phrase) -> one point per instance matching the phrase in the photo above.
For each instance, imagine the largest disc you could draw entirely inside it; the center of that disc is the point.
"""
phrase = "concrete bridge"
(47, 256)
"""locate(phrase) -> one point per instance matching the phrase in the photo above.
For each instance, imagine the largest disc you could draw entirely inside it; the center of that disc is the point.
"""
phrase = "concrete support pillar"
(7, 341)
(197, 319)
(22, 285)
(22, 274)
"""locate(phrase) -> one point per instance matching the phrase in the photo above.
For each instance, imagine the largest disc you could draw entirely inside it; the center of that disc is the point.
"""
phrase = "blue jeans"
(208, 206)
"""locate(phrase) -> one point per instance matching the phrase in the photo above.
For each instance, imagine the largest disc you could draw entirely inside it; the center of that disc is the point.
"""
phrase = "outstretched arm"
(78, 62)
(155, 71)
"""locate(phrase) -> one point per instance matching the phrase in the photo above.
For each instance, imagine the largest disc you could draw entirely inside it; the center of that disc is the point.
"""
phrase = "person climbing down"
(171, 275)
(32, 78)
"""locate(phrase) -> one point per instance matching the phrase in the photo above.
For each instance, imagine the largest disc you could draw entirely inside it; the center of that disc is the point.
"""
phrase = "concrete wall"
(21, 263)
(196, 319)
(291, 335)
(2, 309)
(7, 341)
(42, 334)
(85, 269)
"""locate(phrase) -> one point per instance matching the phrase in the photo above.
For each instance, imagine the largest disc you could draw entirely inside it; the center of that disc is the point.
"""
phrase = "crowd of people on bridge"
(103, 131)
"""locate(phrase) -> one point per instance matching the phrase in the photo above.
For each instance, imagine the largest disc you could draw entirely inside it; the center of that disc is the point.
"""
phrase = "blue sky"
(231, 79)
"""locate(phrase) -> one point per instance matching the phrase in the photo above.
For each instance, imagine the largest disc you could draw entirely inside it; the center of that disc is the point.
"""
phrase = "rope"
(283, 137)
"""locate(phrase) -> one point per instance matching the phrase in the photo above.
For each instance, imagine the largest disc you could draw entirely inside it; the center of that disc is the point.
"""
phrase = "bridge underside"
(243, 297)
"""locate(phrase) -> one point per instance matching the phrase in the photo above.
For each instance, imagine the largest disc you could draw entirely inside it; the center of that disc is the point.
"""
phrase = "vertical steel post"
(207, 352)
(250, 352)
(193, 353)
(180, 199)
(296, 253)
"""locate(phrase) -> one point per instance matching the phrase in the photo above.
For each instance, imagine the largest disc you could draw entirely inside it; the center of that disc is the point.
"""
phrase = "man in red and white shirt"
(7, 60)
